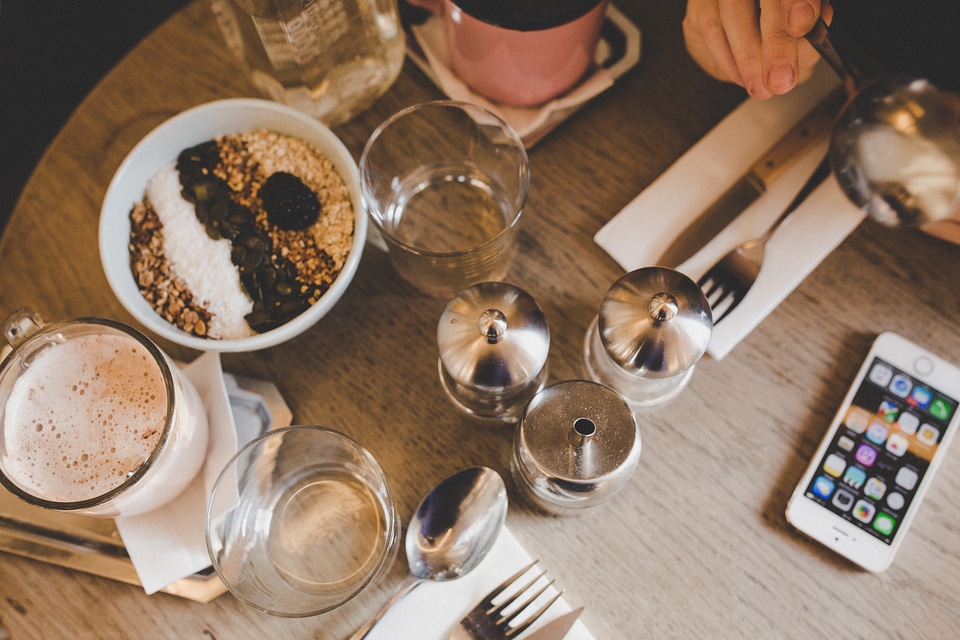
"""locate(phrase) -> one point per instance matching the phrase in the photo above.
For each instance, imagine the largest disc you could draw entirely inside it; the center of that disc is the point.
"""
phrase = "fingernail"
(801, 16)
(781, 78)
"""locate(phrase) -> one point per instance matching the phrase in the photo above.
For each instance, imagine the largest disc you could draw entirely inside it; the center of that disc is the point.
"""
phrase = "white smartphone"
(869, 474)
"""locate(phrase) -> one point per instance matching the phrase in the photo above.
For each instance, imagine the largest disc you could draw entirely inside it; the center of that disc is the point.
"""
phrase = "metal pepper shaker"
(493, 340)
(653, 326)
(576, 446)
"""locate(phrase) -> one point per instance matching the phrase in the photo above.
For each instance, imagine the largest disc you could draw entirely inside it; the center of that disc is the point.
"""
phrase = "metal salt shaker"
(493, 340)
(576, 446)
(653, 326)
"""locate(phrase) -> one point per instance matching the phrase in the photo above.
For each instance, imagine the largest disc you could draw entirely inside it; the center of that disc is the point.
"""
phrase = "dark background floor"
(52, 52)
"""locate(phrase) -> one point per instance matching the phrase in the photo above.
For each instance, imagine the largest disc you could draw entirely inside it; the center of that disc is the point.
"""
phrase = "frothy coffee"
(84, 415)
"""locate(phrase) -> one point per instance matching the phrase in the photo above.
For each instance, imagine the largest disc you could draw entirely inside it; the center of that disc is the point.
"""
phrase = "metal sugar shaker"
(493, 340)
(653, 326)
(576, 446)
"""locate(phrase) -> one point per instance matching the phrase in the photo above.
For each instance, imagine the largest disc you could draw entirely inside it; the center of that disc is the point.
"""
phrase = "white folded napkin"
(637, 235)
(530, 123)
(432, 610)
(168, 544)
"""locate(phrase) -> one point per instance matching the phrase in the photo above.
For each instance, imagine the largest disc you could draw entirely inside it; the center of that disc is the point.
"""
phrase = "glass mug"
(328, 58)
(95, 419)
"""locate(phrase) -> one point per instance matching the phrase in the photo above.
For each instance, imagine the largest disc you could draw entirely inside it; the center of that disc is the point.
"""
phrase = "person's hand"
(758, 45)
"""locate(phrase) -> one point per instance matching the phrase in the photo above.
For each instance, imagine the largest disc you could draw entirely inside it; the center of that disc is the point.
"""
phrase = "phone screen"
(872, 469)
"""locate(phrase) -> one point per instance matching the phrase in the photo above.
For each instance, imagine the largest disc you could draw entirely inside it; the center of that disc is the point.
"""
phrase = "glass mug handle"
(20, 325)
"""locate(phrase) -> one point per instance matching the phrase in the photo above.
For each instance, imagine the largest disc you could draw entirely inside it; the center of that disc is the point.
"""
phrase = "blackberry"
(290, 204)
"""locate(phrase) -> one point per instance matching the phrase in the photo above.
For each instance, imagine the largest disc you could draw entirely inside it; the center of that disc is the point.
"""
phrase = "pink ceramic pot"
(522, 68)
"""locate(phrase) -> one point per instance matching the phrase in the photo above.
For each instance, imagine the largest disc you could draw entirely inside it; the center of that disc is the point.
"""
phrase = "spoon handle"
(408, 585)
(819, 37)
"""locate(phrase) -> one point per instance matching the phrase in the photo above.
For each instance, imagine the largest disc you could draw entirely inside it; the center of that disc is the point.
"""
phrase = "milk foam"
(84, 415)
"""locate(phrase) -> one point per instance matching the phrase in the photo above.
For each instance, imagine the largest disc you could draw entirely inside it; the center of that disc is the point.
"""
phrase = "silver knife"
(813, 127)
(556, 629)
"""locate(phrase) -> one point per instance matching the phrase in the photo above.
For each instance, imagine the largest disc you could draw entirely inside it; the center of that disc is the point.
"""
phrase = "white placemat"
(639, 233)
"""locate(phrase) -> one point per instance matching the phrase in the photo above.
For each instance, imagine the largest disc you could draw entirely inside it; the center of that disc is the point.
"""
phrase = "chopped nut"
(247, 159)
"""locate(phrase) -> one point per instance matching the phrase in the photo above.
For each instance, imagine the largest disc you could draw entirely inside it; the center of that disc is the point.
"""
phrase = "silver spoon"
(895, 151)
(451, 531)
(895, 148)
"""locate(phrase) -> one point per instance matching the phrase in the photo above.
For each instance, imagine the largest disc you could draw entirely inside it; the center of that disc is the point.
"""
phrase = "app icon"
(877, 432)
(880, 374)
(857, 419)
(908, 423)
(854, 476)
(928, 434)
(920, 397)
(866, 455)
(941, 409)
(884, 524)
(888, 411)
(822, 487)
(845, 443)
(896, 501)
(834, 465)
(907, 478)
(843, 500)
(897, 444)
(875, 488)
(863, 511)
(900, 385)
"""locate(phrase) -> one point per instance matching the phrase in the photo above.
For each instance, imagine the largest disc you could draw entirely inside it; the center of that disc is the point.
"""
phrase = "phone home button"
(923, 365)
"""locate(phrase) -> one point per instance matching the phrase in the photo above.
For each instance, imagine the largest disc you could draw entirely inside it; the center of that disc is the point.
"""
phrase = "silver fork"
(490, 621)
(727, 282)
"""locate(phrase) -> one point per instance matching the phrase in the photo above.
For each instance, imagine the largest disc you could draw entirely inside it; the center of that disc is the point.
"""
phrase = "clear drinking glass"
(328, 58)
(445, 183)
(300, 521)
(95, 418)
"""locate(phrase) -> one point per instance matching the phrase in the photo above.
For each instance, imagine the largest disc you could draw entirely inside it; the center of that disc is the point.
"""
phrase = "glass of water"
(300, 521)
(445, 183)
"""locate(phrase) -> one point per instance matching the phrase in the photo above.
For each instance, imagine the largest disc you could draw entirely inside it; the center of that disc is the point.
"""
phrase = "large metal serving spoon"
(451, 531)
(895, 148)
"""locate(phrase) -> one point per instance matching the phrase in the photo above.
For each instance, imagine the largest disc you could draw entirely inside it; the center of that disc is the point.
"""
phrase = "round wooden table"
(696, 545)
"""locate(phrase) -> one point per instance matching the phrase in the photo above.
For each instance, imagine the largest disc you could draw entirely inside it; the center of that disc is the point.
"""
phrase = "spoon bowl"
(895, 150)
(456, 524)
(451, 531)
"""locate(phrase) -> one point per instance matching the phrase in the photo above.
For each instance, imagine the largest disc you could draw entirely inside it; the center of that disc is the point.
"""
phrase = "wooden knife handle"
(811, 129)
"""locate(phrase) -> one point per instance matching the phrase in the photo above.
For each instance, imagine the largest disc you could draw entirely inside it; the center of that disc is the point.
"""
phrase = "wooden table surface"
(696, 545)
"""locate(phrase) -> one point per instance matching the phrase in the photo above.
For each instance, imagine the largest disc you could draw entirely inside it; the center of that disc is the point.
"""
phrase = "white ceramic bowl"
(160, 147)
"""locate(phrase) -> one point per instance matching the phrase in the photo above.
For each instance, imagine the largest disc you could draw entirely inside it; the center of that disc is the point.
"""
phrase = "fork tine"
(490, 597)
(519, 594)
(713, 289)
(709, 278)
(511, 602)
(520, 628)
(719, 311)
